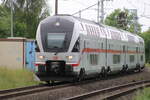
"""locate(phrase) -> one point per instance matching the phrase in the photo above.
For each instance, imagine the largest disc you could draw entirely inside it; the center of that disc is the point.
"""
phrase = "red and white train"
(74, 48)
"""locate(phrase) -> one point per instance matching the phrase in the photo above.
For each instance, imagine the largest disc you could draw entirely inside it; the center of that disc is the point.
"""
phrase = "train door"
(90, 56)
(83, 53)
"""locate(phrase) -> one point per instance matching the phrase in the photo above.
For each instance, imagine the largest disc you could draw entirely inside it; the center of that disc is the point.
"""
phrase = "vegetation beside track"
(147, 65)
(10, 78)
(143, 94)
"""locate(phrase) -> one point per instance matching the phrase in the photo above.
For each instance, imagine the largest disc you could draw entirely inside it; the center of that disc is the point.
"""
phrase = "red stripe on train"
(108, 51)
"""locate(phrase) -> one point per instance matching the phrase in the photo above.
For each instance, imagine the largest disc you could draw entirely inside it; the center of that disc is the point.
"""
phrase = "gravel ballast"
(62, 93)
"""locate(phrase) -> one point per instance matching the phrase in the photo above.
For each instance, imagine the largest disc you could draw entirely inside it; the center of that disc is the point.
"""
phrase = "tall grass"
(147, 65)
(10, 78)
(143, 94)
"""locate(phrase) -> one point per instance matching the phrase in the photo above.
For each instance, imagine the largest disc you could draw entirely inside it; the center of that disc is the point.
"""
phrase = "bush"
(143, 94)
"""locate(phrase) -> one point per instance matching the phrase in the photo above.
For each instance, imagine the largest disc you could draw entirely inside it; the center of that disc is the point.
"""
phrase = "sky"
(72, 6)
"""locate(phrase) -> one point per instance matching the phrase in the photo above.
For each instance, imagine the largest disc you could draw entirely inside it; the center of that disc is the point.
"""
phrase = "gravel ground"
(61, 94)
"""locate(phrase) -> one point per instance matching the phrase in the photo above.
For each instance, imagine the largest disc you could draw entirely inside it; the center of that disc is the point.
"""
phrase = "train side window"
(99, 45)
(116, 59)
(90, 30)
(131, 58)
(76, 47)
(102, 45)
(84, 44)
(93, 59)
(136, 49)
(82, 26)
(141, 57)
(36, 47)
(124, 48)
(109, 46)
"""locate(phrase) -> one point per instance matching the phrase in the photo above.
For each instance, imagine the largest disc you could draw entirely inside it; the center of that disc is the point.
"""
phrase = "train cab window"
(55, 40)
(131, 58)
(116, 59)
(141, 57)
(76, 47)
(93, 59)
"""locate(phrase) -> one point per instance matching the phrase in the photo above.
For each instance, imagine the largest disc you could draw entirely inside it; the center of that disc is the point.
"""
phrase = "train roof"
(137, 37)
(121, 32)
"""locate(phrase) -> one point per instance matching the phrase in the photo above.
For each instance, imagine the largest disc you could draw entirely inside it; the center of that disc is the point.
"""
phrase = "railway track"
(112, 92)
(10, 93)
(13, 93)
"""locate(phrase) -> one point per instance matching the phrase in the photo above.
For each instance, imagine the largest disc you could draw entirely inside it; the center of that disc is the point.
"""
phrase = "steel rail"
(19, 89)
(6, 94)
(112, 92)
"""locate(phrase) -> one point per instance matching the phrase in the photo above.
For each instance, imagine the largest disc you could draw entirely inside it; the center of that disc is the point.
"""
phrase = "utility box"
(17, 53)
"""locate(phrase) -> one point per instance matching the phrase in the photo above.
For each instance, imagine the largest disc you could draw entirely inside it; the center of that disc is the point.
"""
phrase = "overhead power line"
(131, 3)
(84, 9)
(145, 16)
(79, 2)
(99, 4)
(147, 3)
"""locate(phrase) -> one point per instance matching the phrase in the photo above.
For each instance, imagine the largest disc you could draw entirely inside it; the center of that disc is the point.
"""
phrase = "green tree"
(146, 36)
(4, 22)
(27, 15)
(122, 19)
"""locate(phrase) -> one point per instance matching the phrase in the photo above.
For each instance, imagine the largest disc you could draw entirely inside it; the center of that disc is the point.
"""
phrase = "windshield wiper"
(55, 47)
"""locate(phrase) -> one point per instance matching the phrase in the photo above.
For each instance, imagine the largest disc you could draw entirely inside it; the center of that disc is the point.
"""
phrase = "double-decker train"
(71, 48)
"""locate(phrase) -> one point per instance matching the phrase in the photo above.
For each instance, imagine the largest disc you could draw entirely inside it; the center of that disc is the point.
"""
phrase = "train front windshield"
(56, 40)
(56, 37)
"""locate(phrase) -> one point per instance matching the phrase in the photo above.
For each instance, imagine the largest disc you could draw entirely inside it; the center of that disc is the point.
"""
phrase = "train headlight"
(41, 57)
(69, 57)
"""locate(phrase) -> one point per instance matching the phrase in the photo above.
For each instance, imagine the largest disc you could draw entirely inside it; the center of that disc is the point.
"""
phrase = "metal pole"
(135, 23)
(98, 11)
(102, 11)
(134, 11)
(56, 7)
(12, 18)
